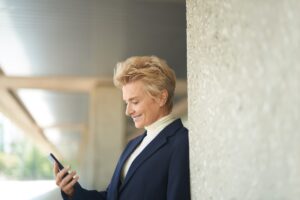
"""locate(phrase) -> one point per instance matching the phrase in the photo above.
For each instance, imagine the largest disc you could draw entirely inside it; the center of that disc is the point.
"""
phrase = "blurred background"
(56, 66)
(240, 60)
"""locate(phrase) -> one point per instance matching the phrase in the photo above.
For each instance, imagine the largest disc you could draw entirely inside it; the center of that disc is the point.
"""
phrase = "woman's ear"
(163, 97)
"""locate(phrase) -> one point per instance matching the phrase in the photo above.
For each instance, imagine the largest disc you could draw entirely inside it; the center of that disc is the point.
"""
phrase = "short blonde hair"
(152, 71)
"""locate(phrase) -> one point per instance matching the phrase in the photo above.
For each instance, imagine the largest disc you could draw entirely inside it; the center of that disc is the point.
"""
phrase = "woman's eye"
(135, 102)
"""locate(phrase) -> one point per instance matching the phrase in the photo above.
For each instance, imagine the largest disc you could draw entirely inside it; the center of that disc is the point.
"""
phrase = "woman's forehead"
(133, 90)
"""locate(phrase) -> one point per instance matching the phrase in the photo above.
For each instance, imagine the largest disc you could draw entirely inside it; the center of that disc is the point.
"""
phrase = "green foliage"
(25, 162)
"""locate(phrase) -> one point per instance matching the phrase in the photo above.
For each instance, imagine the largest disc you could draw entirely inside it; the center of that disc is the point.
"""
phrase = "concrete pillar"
(244, 99)
(105, 139)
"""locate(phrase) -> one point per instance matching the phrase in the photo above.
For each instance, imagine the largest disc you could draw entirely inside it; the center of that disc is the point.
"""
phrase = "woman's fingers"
(67, 179)
(69, 188)
(61, 174)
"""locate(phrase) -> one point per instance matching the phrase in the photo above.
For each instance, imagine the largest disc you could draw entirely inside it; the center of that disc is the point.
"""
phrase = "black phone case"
(53, 159)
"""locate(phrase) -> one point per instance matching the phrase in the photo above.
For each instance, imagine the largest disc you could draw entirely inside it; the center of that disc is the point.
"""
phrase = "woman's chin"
(138, 125)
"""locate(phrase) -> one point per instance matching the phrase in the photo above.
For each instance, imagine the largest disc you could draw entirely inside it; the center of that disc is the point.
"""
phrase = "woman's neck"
(160, 122)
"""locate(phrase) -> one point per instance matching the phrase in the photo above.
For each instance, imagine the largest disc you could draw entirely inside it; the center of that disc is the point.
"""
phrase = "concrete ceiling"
(72, 37)
(84, 38)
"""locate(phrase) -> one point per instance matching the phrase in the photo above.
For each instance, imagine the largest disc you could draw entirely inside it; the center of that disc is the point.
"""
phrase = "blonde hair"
(152, 71)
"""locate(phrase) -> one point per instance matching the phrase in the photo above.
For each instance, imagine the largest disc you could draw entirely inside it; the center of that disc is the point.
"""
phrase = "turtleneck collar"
(152, 131)
(159, 124)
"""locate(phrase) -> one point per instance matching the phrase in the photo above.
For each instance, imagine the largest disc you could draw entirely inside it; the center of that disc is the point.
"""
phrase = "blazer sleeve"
(179, 171)
(83, 194)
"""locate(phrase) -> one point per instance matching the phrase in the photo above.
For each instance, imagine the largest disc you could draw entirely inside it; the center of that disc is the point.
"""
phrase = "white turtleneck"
(152, 131)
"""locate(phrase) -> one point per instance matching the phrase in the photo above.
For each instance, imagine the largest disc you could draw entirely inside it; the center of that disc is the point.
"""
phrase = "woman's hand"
(65, 179)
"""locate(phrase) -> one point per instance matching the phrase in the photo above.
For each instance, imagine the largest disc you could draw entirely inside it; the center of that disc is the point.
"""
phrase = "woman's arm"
(71, 189)
(83, 194)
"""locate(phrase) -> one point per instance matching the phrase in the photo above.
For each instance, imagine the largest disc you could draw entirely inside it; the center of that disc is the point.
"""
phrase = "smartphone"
(53, 159)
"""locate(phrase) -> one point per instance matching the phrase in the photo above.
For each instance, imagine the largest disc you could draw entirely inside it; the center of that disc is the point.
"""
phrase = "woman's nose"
(128, 110)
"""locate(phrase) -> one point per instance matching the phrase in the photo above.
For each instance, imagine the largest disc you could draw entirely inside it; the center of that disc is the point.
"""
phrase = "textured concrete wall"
(244, 99)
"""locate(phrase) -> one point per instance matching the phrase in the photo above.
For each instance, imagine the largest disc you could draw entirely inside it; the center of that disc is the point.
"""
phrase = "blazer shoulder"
(179, 133)
(178, 127)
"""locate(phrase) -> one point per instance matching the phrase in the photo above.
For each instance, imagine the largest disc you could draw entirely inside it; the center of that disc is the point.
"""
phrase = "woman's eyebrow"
(131, 99)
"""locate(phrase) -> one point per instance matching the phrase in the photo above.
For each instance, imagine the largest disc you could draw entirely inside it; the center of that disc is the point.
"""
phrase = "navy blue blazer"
(159, 172)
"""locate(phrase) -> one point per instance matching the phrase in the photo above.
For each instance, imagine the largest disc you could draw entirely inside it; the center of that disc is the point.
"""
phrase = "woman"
(155, 165)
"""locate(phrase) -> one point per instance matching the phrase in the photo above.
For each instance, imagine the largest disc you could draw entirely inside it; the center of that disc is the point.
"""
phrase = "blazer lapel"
(154, 146)
(129, 150)
(114, 186)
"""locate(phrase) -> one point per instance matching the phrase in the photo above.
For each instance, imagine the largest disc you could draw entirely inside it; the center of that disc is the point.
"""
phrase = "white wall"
(244, 99)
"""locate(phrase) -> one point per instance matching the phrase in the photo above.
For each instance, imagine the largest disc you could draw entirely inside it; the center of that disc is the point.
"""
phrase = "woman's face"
(140, 106)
